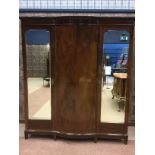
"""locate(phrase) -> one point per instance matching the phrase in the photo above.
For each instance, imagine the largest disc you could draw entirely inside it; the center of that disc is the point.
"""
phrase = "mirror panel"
(38, 74)
(114, 76)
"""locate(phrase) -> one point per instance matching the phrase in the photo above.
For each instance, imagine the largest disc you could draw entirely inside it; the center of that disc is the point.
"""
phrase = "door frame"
(33, 124)
(117, 128)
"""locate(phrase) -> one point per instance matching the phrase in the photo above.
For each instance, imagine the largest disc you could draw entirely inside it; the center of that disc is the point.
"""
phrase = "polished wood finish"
(95, 136)
(75, 80)
(29, 123)
(71, 20)
(105, 128)
(39, 124)
(76, 53)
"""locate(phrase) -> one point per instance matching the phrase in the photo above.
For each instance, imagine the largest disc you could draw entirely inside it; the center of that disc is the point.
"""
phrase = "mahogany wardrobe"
(77, 76)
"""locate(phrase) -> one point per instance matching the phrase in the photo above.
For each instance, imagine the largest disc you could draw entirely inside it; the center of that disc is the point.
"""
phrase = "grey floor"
(131, 131)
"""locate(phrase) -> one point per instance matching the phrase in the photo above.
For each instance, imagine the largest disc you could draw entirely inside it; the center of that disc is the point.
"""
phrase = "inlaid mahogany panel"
(75, 78)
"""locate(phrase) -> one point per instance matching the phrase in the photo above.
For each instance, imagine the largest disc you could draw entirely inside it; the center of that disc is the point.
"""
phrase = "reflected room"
(114, 76)
(38, 74)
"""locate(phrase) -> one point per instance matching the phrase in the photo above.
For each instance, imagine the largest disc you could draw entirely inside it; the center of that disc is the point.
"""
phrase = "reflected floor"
(43, 112)
(34, 84)
(109, 106)
(40, 108)
(39, 99)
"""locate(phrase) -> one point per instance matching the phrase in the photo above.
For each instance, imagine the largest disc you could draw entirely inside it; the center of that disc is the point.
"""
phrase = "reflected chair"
(47, 79)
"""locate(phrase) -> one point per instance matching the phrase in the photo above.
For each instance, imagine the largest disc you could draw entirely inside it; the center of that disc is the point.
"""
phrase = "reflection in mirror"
(114, 76)
(38, 74)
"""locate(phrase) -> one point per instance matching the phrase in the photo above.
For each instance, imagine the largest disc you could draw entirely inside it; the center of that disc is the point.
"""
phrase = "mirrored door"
(114, 76)
(38, 60)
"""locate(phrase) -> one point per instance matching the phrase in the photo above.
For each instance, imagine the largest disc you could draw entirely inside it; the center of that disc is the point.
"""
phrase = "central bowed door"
(74, 109)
